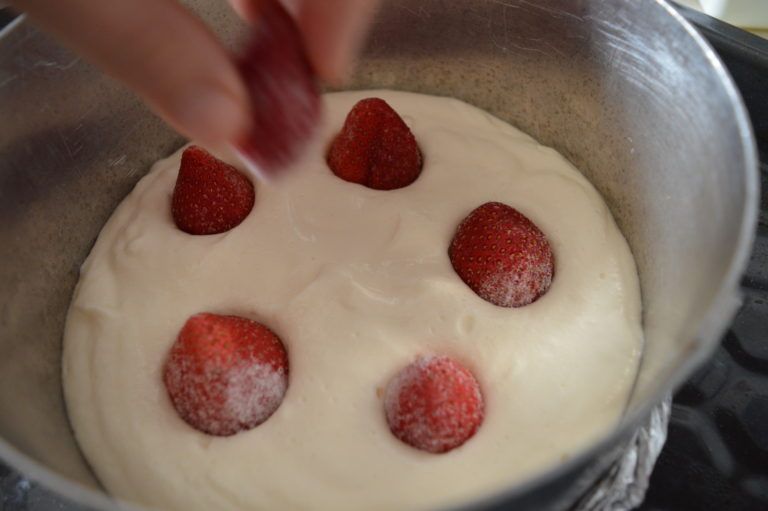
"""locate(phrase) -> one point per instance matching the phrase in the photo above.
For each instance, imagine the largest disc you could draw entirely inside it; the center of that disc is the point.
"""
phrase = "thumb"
(333, 30)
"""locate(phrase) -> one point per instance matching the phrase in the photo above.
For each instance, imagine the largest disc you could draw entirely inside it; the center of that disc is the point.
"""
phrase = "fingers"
(161, 51)
(334, 31)
(173, 61)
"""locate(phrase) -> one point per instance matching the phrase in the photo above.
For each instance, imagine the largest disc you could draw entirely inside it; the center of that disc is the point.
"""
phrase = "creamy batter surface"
(357, 283)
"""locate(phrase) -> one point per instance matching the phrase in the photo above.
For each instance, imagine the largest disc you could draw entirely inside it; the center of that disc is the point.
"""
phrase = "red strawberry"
(225, 374)
(375, 148)
(210, 196)
(499, 253)
(285, 100)
(434, 404)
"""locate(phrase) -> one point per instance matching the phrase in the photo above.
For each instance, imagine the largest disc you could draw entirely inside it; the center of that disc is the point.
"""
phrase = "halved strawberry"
(225, 374)
(502, 256)
(210, 196)
(375, 148)
(285, 98)
(434, 404)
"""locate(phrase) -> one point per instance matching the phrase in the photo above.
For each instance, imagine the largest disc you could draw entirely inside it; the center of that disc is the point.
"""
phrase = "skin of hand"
(173, 61)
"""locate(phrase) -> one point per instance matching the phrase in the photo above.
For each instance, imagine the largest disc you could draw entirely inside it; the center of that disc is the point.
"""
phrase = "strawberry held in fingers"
(502, 256)
(283, 90)
(375, 148)
(210, 196)
(225, 374)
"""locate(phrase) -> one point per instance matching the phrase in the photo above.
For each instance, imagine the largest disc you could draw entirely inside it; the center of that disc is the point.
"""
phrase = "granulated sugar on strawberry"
(225, 374)
(375, 148)
(502, 256)
(210, 196)
(434, 404)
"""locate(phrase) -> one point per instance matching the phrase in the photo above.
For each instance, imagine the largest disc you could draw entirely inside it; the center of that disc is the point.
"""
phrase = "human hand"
(173, 61)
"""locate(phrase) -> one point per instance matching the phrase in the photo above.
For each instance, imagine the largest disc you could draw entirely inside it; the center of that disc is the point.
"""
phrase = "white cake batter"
(357, 283)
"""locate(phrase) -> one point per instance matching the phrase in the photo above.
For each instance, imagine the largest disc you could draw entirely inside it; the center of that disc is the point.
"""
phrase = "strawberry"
(375, 148)
(502, 256)
(210, 196)
(284, 94)
(225, 374)
(434, 404)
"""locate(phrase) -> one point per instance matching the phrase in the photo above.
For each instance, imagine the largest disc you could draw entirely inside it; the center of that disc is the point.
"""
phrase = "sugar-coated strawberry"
(284, 94)
(210, 196)
(502, 256)
(434, 404)
(375, 148)
(225, 374)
